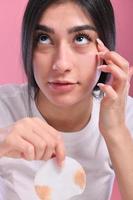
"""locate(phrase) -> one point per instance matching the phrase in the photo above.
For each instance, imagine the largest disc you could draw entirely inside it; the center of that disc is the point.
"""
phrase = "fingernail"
(99, 42)
(100, 84)
(62, 164)
(101, 67)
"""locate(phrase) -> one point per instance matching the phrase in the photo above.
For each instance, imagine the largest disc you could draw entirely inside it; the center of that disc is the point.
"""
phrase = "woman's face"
(65, 58)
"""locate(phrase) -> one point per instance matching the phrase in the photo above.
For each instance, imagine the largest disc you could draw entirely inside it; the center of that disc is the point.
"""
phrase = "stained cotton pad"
(54, 183)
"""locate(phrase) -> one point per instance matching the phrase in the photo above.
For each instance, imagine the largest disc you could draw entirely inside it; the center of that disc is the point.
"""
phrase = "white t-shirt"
(86, 146)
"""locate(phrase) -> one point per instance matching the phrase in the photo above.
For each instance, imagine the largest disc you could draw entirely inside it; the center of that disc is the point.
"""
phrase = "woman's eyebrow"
(71, 30)
(44, 28)
(82, 28)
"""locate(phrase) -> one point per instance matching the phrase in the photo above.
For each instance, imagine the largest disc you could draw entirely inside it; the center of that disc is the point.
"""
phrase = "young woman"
(67, 107)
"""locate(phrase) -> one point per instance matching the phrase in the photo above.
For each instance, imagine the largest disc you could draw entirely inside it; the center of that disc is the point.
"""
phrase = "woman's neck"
(66, 119)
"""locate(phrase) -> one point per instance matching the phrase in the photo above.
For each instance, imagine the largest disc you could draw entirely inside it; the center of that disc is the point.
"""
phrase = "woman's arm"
(112, 118)
(120, 147)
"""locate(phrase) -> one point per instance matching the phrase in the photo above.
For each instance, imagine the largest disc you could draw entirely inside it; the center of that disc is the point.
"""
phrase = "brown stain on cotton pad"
(80, 178)
(44, 192)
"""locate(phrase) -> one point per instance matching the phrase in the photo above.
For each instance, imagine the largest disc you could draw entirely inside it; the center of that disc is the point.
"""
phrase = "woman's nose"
(62, 62)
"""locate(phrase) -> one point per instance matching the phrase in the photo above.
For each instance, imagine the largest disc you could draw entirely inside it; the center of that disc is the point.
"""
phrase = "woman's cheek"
(89, 68)
(89, 61)
(38, 68)
(40, 63)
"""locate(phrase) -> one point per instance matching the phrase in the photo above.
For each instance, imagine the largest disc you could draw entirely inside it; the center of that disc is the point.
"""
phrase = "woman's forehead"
(67, 15)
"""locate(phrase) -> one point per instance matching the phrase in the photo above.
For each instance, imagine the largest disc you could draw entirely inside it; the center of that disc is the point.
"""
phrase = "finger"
(120, 78)
(35, 135)
(112, 56)
(59, 146)
(15, 146)
(108, 90)
(60, 153)
(50, 149)
(48, 153)
(25, 131)
(40, 147)
(48, 135)
(115, 58)
(38, 143)
(101, 47)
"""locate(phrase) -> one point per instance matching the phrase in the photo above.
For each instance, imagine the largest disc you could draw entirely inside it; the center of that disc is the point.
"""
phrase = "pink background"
(10, 57)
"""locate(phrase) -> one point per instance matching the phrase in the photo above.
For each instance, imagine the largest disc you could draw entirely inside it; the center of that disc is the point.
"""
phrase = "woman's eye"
(44, 39)
(82, 39)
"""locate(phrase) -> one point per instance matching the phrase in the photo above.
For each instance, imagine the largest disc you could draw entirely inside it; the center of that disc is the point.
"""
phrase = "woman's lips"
(63, 86)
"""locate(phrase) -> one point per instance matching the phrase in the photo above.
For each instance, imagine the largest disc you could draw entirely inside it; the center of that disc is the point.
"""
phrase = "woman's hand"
(112, 111)
(32, 139)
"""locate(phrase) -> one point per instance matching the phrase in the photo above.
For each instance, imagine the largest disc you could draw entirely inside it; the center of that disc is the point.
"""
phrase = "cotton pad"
(55, 183)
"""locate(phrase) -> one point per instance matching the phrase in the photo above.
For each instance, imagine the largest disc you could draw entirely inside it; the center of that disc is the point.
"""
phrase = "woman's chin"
(63, 103)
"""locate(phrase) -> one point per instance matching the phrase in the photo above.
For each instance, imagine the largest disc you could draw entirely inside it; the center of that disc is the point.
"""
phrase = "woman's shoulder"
(12, 90)
(14, 103)
(13, 98)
